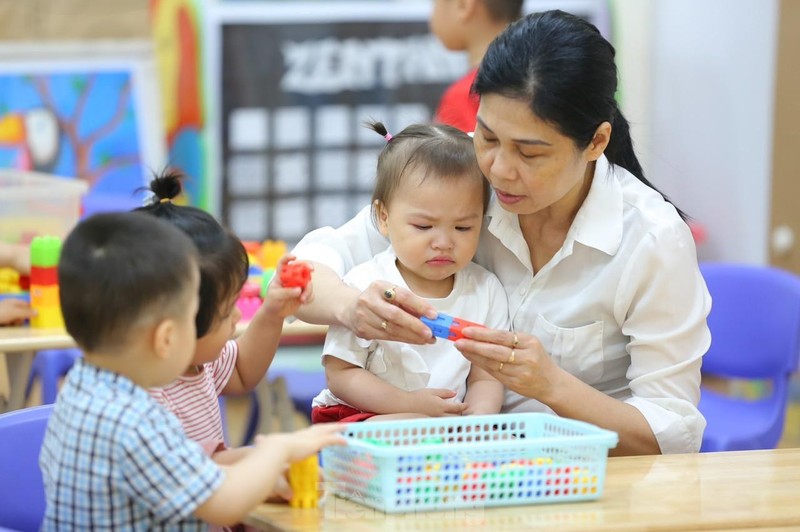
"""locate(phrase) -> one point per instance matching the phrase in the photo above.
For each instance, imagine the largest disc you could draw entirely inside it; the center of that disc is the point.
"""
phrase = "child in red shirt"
(469, 26)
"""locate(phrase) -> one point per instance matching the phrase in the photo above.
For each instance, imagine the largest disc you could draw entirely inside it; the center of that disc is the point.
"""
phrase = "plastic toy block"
(22, 296)
(48, 318)
(44, 296)
(448, 327)
(250, 289)
(271, 253)
(295, 274)
(45, 251)
(248, 306)
(266, 278)
(43, 276)
(304, 477)
(9, 280)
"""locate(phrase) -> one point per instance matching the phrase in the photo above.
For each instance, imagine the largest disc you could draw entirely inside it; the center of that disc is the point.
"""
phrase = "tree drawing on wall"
(51, 129)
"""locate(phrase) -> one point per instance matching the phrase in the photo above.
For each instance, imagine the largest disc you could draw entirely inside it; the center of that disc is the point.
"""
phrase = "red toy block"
(43, 276)
(295, 274)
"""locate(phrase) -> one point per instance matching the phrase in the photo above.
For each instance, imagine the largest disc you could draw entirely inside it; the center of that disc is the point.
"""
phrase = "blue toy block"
(447, 327)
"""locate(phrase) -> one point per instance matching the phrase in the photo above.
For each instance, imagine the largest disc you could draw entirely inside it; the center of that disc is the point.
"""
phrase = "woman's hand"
(517, 360)
(387, 312)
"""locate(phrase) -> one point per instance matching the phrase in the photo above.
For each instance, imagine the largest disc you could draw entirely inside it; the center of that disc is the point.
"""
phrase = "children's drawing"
(79, 124)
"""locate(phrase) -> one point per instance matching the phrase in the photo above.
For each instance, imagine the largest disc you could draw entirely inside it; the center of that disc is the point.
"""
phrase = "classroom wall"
(46, 20)
(710, 145)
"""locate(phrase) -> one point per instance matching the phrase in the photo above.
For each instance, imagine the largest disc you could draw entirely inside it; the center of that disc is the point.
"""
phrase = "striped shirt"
(114, 459)
(194, 399)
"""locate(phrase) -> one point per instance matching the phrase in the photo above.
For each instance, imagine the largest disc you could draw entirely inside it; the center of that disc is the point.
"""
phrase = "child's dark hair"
(223, 259)
(441, 150)
(117, 269)
(504, 10)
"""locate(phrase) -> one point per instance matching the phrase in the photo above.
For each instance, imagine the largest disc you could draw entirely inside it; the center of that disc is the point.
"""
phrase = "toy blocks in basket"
(468, 462)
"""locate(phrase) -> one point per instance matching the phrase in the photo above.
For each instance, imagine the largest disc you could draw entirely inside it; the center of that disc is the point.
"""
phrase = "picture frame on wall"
(86, 111)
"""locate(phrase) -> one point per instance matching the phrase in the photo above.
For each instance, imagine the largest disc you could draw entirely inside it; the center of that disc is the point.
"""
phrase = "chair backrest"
(22, 499)
(754, 321)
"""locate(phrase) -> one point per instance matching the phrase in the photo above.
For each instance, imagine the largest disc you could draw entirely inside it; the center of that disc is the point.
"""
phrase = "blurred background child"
(468, 26)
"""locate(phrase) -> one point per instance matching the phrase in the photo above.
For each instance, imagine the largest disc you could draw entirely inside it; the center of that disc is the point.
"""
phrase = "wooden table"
(712, 491)
(19, 344)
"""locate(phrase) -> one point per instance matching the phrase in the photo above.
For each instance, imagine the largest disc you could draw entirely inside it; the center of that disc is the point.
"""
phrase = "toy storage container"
(468, 462)
(33, 204)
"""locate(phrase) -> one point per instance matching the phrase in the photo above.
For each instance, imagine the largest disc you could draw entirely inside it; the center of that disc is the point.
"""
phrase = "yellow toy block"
(271, 252)
(9, 281)
(48, 318)
(304, 477)
(44, 296)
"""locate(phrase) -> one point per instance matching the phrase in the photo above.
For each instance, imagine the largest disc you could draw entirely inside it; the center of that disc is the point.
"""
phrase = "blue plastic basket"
(468, 462)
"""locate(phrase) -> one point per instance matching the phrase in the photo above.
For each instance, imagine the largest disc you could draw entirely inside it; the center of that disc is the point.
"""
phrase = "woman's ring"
(384, 324)
(511, 358)
(501, 367)
(515, 343)
(390, 294)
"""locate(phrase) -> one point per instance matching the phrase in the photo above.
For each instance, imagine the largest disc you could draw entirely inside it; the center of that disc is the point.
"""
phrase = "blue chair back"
(754, 320)
(22, 499)
(755, 335)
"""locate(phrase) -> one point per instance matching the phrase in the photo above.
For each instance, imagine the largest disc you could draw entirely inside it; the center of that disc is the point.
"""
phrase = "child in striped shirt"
(220, 365)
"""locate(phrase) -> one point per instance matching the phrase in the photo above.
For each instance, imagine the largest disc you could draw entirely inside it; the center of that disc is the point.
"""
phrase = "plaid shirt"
(114, 459)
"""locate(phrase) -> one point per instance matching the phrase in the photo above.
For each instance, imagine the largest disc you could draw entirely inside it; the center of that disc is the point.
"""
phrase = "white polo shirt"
(621, 305)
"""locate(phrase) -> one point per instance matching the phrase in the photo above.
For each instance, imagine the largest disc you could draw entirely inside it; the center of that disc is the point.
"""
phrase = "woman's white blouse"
(621, 305)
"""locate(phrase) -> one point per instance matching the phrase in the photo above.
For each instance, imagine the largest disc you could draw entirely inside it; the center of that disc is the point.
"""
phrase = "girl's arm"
(367, 392)
(259, 342)
(336, 303)
(484, 393)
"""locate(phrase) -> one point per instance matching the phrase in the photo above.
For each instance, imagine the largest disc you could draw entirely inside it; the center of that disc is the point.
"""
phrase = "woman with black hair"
(607, 303)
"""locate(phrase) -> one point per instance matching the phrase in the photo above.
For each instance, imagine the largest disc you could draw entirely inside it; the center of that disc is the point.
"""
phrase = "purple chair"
(22, 499)
(755, 335)
(49, 366)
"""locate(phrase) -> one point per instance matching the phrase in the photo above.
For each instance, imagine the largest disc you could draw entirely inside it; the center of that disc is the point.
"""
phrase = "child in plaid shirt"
(113, 458)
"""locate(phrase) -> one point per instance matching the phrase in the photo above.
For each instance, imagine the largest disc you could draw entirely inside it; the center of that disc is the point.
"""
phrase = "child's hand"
(303, 443)
(284, 301)
(15, 312)
(435, 402)
(282, 492)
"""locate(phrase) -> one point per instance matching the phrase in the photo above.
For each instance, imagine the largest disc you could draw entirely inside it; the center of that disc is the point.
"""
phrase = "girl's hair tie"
(165, 200)
(388, 137)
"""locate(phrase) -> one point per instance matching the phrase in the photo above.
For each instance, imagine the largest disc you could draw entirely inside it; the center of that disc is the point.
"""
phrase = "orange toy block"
(44, 296)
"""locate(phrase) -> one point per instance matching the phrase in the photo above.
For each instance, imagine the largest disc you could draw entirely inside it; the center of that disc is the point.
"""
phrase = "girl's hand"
(517, 360)
(387, 312)
(284, 301)
(303, 443)
(435, 402)
(15, 312)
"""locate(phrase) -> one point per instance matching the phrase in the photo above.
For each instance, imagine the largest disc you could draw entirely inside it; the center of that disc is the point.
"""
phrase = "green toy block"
(266, 277)
(45, 251)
